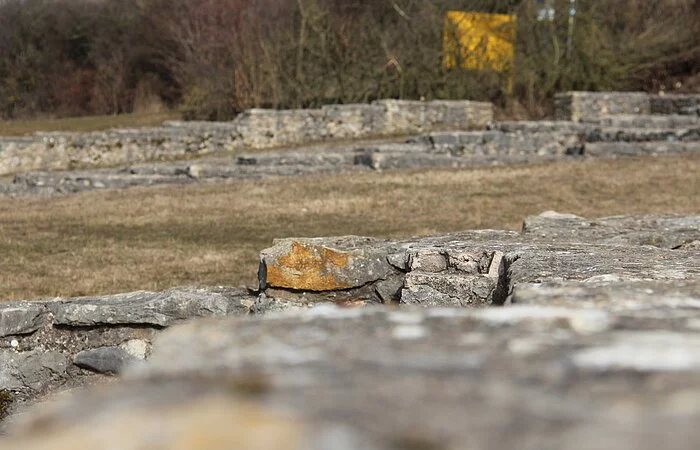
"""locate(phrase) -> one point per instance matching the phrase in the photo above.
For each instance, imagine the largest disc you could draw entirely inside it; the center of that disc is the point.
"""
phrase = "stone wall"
(252, 129)
(589, 106)
(593, 344)
(479, 268)
(51, 345)
(502, 143)
(676, 104)
(56, 344)
(594, 106)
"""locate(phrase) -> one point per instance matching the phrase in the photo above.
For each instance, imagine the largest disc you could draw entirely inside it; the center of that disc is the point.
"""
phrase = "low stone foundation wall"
(597, 313)
(52, 345)
(676, 104)
(592, 106)
(252, 129)
(270, 128)
(479, 268)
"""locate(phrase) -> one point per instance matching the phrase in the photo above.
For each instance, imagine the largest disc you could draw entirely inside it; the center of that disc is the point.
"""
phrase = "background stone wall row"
(252, 129)
(593, 106)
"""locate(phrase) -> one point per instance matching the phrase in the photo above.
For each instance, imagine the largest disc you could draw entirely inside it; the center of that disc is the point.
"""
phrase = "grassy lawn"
(88, 123)
(154, 238)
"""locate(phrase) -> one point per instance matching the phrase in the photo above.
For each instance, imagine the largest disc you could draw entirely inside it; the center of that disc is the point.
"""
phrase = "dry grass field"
(84, 124)
(154, 238)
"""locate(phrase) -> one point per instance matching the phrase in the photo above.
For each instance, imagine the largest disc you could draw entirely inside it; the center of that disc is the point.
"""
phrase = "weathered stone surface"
(152, 308)
(676, 104)
(648, 121)
(67, 343)
(494, 144)
(254, 128)
(34, 370)
(108, 360)
(136, 348)
(448, 290)
(605, 149)
(665, 231)
(586, 106)
(481, 269)
(21, 318)
(661, 298)
(552, 377)
(599, 313)
(590, 262)
(318, 265)
(504, 143)
(61, 151)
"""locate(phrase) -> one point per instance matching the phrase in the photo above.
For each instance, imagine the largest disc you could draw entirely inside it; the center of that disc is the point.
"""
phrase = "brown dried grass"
(154, 238)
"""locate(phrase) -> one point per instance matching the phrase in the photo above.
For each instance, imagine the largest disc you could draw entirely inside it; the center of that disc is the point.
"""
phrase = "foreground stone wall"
(595, 347)
(480, 268)
(252, 129)
(61, 343)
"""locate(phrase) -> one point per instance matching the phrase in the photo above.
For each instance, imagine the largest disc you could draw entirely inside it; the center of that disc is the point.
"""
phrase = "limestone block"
(318, 265)
(35, 370)
(447, 290)
(586, 106)
(152, 308)
(675, 104)
(21, 318)
(107, 360)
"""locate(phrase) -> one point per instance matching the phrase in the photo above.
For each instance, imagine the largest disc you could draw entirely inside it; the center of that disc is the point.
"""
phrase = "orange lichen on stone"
(308, 267)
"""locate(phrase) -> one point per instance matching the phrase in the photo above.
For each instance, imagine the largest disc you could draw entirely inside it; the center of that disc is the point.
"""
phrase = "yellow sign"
(479, 41)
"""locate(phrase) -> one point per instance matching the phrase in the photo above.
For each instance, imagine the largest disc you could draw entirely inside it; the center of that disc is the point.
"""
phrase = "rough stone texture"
(586, 106)
(527, 377)
(20, 318)
(604, 136)
(108, 360)
(596, 347)
(449, 150)
(320, 265)
(676, 104)
(60, 151)
(647, 121)
(46, 344)
(594, 106)
(496, 144)
(35, 370)
(143, 308)
(381, 118)
(252, 129)
(671, 232)
(481, 269)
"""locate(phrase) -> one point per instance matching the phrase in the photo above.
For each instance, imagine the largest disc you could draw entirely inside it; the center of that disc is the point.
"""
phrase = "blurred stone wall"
(253, 129)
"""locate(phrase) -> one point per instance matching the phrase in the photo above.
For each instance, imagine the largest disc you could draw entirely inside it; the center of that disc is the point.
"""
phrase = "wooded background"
(211, 59)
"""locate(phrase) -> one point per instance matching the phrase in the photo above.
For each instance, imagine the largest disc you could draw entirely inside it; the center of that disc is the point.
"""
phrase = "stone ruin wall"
(606, 277)
(51, 345)
(576, 113)
(592, 106)
(256, 128)
(56, 344)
